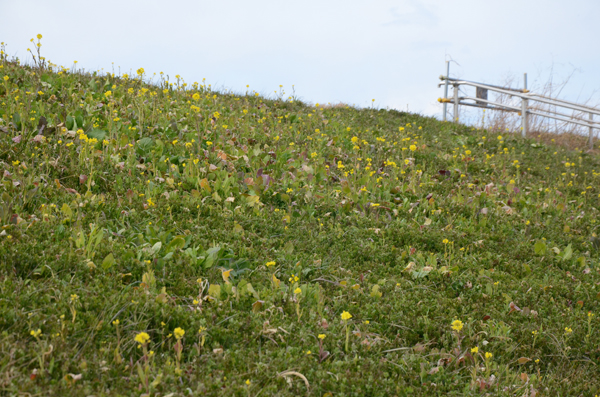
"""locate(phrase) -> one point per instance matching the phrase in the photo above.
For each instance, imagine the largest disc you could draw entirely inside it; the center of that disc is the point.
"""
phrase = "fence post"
(455, 115)
(524, 108)
(591, 131)
(446, 88)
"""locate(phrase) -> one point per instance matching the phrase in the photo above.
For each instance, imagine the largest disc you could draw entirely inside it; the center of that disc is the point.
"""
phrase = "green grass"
(169, 219)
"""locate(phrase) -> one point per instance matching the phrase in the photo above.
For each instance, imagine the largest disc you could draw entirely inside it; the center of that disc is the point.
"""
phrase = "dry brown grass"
(340, 105)
(568, 140)
(546, 130)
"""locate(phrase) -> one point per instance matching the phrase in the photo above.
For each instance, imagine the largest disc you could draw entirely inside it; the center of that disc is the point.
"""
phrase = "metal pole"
(446, 88)
(524, 108)
(591, 132)
(455, 103)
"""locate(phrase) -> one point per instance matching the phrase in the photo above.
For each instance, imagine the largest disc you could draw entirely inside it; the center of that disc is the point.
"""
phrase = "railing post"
(524, 108)
(455, 103)
(446, 89)
(591, 132)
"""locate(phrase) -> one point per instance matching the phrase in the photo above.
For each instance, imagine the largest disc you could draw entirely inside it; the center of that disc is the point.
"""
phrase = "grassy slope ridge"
(253, 224)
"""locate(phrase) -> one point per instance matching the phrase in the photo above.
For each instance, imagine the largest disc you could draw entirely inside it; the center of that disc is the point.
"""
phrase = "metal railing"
(480, 100)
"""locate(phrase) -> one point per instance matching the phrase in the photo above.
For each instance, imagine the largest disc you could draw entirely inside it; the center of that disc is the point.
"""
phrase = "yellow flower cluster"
(457, 325)
(178, 332)
(142, 338)
(83, 137)
(346, 316)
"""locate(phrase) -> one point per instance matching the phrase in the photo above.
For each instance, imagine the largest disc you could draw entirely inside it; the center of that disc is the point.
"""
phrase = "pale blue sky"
(332, 51)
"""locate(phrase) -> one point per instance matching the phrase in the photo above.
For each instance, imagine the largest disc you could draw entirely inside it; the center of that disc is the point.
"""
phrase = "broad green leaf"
(204, 185)
(123, 140)
(70, 123)
(155, 248)
(540, 248)
(66, 210)
(97, 134)
(211, 256)
(175, 244)
(251, 290)
(144, 145)
(568, 253)
(214, 290)
(108, 262)
(375, 292)
(289, 247)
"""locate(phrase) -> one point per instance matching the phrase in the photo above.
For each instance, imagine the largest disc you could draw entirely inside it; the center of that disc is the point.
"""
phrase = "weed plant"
(160, 238)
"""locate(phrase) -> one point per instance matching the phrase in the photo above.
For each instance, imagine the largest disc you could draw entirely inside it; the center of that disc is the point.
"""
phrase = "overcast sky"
(348, 51)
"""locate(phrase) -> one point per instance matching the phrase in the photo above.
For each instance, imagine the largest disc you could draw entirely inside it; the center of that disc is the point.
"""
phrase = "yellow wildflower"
(142, 338)
(457, 325)
(346, 316)
(178, 333)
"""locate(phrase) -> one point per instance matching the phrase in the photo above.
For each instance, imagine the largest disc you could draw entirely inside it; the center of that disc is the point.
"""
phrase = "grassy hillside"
(167, 239)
